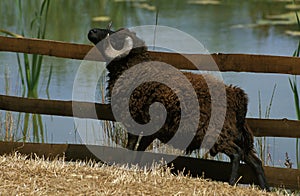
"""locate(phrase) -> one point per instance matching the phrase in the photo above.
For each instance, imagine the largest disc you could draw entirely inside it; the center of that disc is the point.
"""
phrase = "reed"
(6, 120)
(9, 125)
(114, 133)
(30, 69)
(294, 88)
(263, 150)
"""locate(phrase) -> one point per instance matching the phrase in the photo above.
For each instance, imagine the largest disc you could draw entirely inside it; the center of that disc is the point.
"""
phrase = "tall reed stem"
(293, 85)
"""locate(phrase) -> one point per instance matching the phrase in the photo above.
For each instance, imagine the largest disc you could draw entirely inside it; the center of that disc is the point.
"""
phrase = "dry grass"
(20, 175)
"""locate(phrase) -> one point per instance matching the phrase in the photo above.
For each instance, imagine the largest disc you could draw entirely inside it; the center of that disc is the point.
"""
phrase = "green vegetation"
(7, 120)
(293, 84)
(262, 141)
(115, 134)
(30, 69)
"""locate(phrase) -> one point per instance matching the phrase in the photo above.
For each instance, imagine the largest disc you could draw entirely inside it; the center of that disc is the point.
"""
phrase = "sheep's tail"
(241, 111)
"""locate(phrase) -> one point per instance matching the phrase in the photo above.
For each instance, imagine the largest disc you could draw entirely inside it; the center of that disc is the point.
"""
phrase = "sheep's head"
(114, 44)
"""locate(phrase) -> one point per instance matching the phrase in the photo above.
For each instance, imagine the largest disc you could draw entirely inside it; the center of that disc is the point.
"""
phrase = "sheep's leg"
(235, 161)
(132, 141)
(235, 155)
(253, 161)
(145, 142)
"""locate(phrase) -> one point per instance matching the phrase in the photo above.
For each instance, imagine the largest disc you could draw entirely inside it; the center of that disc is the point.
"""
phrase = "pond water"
(228, 27)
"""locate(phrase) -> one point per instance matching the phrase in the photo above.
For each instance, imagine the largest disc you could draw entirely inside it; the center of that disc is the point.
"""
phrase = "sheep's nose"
(93, 31)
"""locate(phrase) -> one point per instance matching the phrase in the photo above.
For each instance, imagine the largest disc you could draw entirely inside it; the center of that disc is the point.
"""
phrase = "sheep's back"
(150, 92)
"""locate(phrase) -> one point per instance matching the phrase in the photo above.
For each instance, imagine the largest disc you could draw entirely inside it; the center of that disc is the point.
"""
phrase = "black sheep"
(123, 50)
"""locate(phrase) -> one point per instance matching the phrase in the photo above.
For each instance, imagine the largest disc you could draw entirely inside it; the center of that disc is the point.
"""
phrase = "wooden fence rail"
(260, 127)
(225, 62)
(215, 170)
(290, 178)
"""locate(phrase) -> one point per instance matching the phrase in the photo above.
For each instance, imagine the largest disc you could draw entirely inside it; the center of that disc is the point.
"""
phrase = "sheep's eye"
(94, 30)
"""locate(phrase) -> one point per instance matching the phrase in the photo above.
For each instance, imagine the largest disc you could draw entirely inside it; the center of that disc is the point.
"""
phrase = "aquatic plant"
(293, 85)
(30, 68)
(115, 134)
(6, 118)
(262, 141)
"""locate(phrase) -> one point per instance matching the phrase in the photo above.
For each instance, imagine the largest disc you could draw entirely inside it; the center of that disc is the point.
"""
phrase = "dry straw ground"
(20, 175)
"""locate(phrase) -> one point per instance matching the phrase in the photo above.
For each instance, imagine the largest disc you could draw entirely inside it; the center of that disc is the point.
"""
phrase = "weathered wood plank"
(215, 170)
(275, 127)
(225, 62)
(260, 127)
(56, 107)
(44, 47)
(232, 62)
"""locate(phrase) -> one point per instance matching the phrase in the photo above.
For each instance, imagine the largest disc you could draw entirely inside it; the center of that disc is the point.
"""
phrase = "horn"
(109, 25)
(112, 53)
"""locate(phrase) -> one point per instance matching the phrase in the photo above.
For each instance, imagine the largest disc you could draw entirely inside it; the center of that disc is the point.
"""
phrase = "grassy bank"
(20, 175)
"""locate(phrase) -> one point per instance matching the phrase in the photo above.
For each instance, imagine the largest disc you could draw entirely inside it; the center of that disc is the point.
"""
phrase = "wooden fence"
(289, 178)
